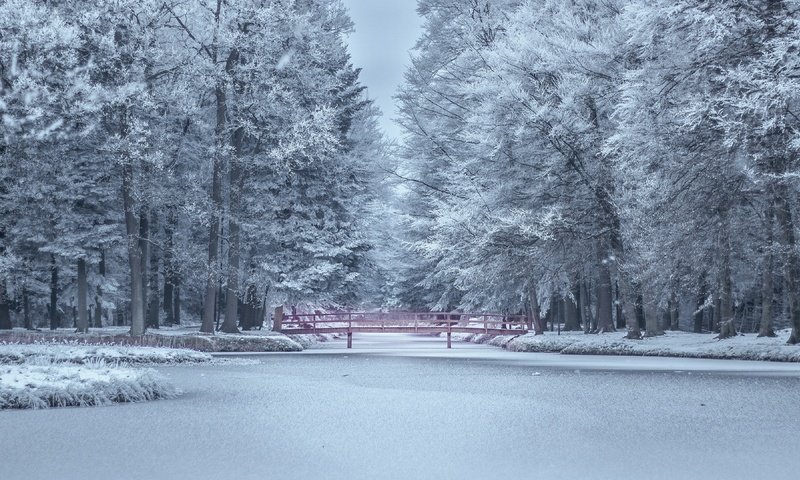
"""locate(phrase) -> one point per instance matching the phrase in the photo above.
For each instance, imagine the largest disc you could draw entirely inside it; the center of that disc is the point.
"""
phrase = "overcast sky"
(385, 30)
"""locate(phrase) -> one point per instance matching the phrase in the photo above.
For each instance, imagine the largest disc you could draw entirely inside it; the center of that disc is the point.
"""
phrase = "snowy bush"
(82, 354)
(59, 385)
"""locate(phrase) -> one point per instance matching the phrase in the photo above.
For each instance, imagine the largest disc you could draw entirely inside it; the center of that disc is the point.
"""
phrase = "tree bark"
(5, 308)
(144, 246)
(674, 313)
(134, 250)
(784, 216)
(169, 268)
(727, 325)
(767, 290)
(26, 309)
(536, 319)
(702, 295)
(83, 292)
(236, 186)
(153, 307)
(571, 322)
(604, 299)
(210, 301)
(652, 328)
(53, 293)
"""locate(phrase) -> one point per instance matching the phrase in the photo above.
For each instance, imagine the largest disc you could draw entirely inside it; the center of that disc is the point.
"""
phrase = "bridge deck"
(400, 322)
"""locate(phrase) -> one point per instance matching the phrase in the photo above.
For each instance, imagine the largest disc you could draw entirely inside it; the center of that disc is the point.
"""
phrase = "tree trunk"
(144, 246)
(784, 216)
(5, 308)
(727, 325)
(588, 318)
(169, 268)
(153, 307)
(652, 328)
(210, 301)
(98, 297)
(134, 250)
(83, 292)
(702, 295)
(536, 319)
(674, 313)
(53, 293)
(767, 290)
(26, 309)
(618, 308)
(604, 302)
(236, 187)
(638, 308)
(177, 300)
(571, 322)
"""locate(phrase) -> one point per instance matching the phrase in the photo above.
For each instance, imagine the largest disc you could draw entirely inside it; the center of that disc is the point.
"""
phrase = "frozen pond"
(402, 407)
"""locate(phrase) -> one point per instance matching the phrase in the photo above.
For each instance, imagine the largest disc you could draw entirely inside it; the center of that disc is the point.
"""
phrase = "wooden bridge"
(399, 322)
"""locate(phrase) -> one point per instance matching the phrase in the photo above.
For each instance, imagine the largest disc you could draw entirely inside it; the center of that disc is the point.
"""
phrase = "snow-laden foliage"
(600, 160)
(159, 160)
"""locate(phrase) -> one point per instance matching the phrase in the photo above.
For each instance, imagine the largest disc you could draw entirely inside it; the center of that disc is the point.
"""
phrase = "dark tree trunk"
(83, 291)
(210, 301)
(153, 307)
(144, 246)
(604, 299)
(26, 309)
(169, 269)
(236, 185)
(674, 313)
(570, 315)
(53, 293)
(702, 295)
(589, 324)
(618, 308)
(5, 308)
(536, 319)
(638, 307)
(767, 290)
(784, 216)
(134, 251)
(177, 308)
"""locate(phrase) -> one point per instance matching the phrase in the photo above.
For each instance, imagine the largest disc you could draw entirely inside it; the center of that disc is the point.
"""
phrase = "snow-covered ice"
(402, 407)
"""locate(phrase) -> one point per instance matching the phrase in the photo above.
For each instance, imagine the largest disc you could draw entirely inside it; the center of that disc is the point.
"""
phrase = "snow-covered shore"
(671, 344)
(182, 337)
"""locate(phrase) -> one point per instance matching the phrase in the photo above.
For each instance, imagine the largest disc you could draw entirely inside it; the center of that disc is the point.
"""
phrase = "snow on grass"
(671, 344)
(180, 337)
(82, 354)
(63, 385)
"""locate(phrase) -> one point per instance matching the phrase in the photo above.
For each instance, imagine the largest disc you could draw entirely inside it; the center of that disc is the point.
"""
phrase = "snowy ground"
(402, 407)
(671, 344)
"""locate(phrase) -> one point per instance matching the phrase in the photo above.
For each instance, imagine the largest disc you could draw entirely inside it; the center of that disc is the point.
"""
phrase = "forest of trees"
(207, 157)
(601, 164)
(613, 163)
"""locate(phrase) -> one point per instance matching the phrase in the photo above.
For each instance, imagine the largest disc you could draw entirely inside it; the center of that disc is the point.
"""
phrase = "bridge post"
(277, 319)
(350, 330)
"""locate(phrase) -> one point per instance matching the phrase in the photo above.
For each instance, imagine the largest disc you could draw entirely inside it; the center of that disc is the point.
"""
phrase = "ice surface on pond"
(407, 408)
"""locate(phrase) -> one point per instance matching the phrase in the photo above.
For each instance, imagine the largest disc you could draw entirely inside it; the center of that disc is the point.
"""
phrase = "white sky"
(385, 30)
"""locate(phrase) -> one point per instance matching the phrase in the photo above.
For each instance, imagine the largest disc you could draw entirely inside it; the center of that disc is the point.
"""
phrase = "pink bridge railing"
(400, 322)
